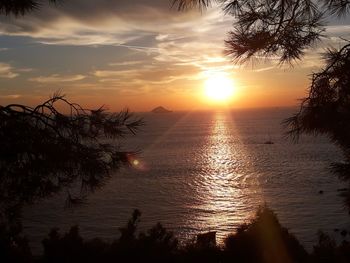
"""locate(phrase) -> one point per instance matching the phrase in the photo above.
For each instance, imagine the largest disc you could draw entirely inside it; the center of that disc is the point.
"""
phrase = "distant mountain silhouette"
(160, 109)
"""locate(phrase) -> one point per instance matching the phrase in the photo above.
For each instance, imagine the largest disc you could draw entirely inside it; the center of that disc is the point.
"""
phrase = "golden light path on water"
(228, 186)
(223, 187)
(207, 171)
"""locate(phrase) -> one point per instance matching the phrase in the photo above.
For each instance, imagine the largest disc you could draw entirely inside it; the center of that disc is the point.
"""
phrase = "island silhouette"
(160, 109)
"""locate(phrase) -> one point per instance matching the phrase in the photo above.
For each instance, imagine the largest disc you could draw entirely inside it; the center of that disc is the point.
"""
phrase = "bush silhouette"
(264, 240)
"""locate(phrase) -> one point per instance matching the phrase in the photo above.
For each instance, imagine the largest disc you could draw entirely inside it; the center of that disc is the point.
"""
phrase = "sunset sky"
(139, 54)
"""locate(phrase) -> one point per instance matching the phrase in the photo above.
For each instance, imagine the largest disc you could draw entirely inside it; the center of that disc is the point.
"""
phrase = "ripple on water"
(209, 171)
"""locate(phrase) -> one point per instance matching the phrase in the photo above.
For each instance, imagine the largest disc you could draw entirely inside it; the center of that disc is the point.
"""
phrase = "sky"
(140, 54)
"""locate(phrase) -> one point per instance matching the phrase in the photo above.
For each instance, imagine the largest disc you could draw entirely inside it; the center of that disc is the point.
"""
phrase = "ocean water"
(209, 171)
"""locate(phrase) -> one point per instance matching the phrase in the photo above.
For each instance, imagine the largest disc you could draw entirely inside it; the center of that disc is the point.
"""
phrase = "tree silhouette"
(21, 7)
(54, 146)
(43, 151)
(285, 28)
(326, 110)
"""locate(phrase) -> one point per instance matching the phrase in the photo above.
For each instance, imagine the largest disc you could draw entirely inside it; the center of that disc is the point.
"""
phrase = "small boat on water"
(269, 141)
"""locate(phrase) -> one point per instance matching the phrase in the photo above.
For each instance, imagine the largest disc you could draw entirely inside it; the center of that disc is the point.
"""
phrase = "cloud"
(154, 79)
(56, 78)
(25, 70)
(164, 35)
(105, 22)
(336, 30)
(125, 63)
(7, 71)
(11, 96)
(171, 47)
(99, 22)
(115, 73)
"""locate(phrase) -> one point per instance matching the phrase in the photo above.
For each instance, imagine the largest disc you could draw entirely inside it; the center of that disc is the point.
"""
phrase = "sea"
(209, 171)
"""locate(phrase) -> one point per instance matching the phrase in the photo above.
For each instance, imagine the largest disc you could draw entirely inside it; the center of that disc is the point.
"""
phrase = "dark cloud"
(87, 11)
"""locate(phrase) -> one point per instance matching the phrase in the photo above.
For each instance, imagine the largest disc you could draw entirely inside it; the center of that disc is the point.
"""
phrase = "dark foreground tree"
(283, 28)
(57, 145)
(326, 110)
(263, 240)
(286, 28)
(21, 7)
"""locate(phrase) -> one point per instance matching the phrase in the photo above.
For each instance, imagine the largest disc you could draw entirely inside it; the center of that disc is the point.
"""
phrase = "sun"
(219, 88)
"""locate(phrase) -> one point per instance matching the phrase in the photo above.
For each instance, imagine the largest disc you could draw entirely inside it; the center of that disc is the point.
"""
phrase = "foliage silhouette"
(20, 7)
(326, 250)
(13, 247)
(53, 151)
(157, 245)
(285, 28)
(263, 240)
(43, 151)
(326, 110)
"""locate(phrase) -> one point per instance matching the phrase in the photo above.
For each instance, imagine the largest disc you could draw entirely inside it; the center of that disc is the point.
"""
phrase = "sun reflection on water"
(228, 191)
